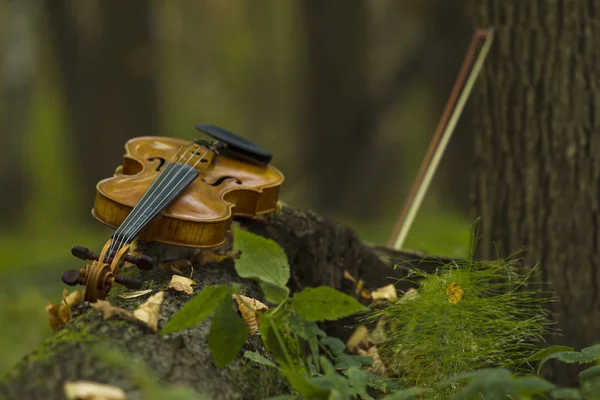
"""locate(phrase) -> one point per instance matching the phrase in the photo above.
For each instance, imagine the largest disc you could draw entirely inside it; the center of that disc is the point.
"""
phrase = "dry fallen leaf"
(181, 284)
(454, 293)
(208, 256)
(148, 311)
(384, 293)
(137, 293)
(378, 367)
(177, 266)
(348, 276)
(358, 338)
(60, 315)
(250, 309)
(108, 310)
(87, 390)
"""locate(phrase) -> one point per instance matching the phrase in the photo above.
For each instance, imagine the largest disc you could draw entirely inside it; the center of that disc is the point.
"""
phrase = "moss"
(258, 380)
(76, 332)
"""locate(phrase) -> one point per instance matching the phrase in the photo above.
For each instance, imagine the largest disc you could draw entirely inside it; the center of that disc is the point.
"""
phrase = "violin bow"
(471, 67)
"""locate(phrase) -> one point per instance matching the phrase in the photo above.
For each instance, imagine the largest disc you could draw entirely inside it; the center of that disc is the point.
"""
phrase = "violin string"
(147, 218)
(155, 204)
(117, 242)
(148, 196)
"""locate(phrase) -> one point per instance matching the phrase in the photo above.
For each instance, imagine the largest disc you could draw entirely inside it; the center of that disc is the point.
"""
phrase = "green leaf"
(530, 385)
(260, 258)
(325, 303)
(540, 355)
(566, 394)
(259, 359)
(589, 374)
(286, 397)
(197, 309)
(227, 334)
(306, 388)
(592, 350)
(273, 293)
(406, 394)
(586, 356)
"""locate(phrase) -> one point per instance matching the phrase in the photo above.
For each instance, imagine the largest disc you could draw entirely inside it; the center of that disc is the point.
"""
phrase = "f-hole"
(222, 179)
(160, 163)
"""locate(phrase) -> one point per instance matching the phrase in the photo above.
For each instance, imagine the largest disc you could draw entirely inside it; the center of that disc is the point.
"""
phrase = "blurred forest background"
(345, 93)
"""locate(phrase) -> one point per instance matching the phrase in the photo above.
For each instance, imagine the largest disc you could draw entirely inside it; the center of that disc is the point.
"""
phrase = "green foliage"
(567, 355)
(259, 359)
(464, 316)
(499, 383)
(264, 260)
(198, 308)
(325, 303)
(227, 335)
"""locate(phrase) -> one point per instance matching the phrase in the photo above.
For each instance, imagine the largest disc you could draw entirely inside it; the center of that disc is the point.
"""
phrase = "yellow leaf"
(148, 311)
(378, 367)
(384, 293)
(454, 292)
(87, 390)
(209, 256)
(358, 338)
(177, 267)
(109, 311)
(349, 277)
(60, 315)
(250, 309)
(181, 284)
(137, 293)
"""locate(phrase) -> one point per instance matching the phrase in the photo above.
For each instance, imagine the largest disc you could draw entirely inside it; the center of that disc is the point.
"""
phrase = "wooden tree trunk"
(107, 61)
(337, 140)
(538, 152)
(16, 73)
(319, 251)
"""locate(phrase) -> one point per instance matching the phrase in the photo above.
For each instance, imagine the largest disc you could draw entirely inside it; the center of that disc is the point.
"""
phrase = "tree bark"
(538, 152)
(338, 136)
(318, 250)
(18, 67)
(107, 61)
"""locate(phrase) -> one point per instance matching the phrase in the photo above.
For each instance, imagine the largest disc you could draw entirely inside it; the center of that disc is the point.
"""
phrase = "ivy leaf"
(325, 303)
(257, 358)
(273, 293)
(260, 258)
(406, 394)
(540, 355)
(197, 309)
(227, 334)
(586, 356)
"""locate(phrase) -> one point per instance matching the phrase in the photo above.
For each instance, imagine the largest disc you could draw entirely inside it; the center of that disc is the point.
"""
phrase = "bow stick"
(472, 65)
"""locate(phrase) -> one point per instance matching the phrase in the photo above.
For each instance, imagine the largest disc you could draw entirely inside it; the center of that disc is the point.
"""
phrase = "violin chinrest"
(236, 143)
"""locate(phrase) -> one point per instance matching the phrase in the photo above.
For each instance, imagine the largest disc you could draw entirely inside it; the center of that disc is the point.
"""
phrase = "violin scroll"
(99, 277)
(143, 262)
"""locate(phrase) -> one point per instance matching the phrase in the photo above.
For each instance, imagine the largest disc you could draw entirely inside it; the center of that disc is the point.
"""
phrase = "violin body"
(174, 191)
(202, 214)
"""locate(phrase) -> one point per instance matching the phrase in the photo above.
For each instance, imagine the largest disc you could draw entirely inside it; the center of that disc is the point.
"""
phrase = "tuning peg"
(143, 262)
(72, 277)
(129, 282)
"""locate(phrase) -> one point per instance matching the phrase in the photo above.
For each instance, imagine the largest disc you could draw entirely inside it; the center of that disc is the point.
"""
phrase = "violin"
(178, 192)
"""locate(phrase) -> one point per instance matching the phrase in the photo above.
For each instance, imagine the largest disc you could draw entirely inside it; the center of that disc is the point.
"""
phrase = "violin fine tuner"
(187, 201)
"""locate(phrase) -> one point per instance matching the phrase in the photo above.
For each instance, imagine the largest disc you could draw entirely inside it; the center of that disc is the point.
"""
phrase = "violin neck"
(169, 184)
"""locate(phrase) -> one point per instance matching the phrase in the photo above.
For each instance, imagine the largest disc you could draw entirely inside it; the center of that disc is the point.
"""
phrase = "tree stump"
(319, 251)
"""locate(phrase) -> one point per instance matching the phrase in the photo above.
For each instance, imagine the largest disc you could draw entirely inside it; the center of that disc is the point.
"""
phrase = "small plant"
(327, 372)
(465, 316)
